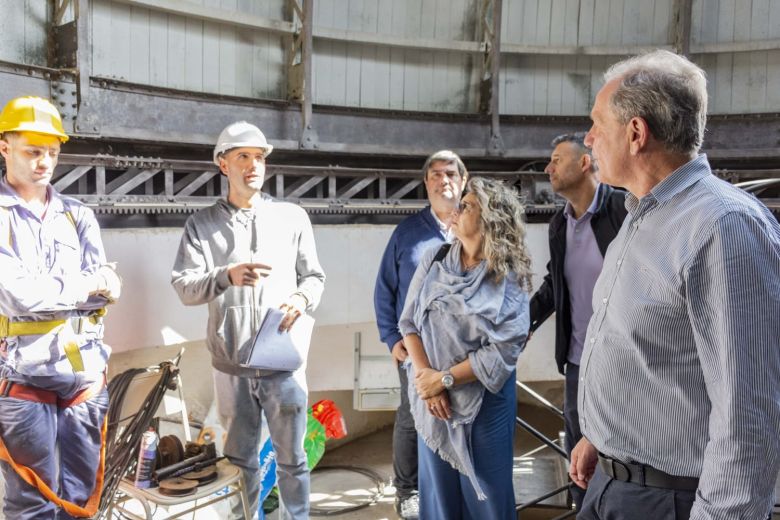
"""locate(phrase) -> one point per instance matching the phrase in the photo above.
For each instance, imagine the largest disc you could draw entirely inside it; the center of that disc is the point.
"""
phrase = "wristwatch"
(447, 380)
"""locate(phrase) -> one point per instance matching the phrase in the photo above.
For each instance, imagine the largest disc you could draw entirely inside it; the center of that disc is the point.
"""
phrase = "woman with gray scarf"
(464, 324)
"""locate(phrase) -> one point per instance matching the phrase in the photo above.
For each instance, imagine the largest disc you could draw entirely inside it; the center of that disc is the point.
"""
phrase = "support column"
(683, 10)
(490, 20)
(300, 70)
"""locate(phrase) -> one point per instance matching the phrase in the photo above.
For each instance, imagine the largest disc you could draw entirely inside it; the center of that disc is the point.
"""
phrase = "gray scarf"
(463, 314)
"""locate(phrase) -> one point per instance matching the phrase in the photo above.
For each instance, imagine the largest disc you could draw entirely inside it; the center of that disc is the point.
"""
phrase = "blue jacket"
(409, 241)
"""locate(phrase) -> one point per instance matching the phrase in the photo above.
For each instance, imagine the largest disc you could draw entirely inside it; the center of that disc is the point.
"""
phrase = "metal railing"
(547, 442)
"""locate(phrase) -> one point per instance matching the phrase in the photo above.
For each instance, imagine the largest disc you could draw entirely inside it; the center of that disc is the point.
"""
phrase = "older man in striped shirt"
(680, 379)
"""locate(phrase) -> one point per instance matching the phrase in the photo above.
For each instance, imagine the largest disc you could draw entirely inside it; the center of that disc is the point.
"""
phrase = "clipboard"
(281, 351)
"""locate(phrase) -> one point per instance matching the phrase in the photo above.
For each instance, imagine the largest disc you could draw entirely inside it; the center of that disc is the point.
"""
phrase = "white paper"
(274, 350)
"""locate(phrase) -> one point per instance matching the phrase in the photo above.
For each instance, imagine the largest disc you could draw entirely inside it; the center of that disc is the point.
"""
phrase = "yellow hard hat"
(32, 114)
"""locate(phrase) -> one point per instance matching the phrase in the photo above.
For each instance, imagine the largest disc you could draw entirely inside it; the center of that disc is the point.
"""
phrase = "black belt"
(645, 475)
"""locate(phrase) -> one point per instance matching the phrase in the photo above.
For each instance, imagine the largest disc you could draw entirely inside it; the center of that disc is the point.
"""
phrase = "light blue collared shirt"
(45, 263)
(681, 369)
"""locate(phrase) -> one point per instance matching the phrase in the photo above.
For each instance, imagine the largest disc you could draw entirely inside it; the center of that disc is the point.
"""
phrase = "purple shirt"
(581, 267)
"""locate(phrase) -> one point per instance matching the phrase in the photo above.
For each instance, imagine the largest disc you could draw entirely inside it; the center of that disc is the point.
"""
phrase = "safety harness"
(39, 395)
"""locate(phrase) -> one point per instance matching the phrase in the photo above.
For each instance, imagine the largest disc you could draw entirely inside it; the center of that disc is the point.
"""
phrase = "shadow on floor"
(537, 471)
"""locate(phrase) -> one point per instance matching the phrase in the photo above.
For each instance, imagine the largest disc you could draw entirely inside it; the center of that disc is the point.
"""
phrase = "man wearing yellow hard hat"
(54, 287)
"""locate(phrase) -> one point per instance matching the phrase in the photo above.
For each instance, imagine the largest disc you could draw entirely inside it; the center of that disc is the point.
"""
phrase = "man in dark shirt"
(579, 236)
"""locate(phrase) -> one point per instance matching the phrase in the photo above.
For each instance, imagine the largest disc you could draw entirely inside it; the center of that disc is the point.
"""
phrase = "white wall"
(149, 313)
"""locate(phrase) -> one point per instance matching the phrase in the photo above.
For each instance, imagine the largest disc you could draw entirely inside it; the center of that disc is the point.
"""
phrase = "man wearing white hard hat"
(54, 286)
(243, 256)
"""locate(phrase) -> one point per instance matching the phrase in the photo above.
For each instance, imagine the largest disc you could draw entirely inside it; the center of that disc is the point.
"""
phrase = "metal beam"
(86, 120)
(386, 40)
(724, 47)
(300, 188)
(129, 181)
(491, 19)
(309, 138)
(354, 187)
(131, 113)
(508, 48)
(406, 188)
(359, 193)
(683, 11)
(70, 177)
(61, 6)
(210, 14)
(195, 184)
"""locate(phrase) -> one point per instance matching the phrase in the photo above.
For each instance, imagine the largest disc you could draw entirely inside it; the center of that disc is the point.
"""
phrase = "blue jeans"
(62, 445)
(283, 398)
(446, 494)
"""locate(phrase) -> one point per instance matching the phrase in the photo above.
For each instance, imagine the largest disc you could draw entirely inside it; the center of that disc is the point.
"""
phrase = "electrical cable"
(370, 473)
(122, 446)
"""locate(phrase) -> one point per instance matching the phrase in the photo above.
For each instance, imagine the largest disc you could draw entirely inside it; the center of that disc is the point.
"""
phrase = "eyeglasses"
(465, 207)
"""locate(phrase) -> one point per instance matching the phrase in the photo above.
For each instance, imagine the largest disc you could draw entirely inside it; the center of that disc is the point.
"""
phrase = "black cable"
(122, 448)
(370, 473)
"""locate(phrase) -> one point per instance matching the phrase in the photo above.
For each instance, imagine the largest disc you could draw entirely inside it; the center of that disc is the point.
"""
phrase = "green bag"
(314, 442)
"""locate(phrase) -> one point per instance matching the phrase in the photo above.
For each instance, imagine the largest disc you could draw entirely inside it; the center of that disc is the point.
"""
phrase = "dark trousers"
(572, 422)
(404, 444)
(610, 499)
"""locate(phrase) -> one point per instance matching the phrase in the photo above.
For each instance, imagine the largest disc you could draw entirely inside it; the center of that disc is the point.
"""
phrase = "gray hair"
(577, 137)
(666, 90)
(447, 156)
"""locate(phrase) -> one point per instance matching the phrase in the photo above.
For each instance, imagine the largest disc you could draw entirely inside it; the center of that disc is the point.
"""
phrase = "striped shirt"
(681, 369)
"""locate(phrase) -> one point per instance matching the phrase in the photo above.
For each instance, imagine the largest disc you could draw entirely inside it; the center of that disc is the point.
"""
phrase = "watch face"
(447, 380)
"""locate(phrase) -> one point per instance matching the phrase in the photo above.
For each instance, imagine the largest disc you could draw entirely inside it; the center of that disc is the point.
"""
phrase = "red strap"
(85, 395)
(39, 395)
(26, 392)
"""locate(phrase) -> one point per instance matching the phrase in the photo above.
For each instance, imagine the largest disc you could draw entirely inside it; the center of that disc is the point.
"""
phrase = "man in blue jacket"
(445, 176)
(579, 236)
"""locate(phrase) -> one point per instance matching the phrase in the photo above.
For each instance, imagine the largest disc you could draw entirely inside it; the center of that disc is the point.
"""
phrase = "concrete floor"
(535, 474)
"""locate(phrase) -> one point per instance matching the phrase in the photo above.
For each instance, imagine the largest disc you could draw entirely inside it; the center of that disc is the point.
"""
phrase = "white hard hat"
(240, 135)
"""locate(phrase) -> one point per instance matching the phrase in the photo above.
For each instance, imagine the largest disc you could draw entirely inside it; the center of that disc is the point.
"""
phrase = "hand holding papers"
(284, 351)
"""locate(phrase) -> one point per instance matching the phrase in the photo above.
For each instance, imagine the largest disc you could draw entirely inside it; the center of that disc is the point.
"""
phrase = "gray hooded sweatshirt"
(275, 233)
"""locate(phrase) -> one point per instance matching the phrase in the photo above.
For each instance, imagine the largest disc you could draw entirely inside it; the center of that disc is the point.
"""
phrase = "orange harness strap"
(28, 475)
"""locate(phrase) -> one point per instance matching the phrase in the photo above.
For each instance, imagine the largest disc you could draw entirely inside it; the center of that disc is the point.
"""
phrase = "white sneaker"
(409, 508)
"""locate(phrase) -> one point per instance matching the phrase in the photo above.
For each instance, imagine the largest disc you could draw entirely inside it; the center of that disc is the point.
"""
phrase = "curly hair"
(503, 226)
